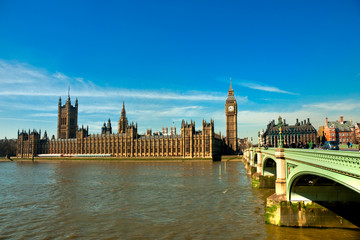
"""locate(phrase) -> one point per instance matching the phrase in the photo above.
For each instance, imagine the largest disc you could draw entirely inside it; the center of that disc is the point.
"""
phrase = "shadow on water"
(347, 210)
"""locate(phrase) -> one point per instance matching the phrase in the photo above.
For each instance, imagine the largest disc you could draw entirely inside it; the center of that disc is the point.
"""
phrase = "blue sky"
(172, 60)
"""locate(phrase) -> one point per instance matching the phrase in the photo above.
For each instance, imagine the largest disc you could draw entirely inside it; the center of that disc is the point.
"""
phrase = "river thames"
(138, 200)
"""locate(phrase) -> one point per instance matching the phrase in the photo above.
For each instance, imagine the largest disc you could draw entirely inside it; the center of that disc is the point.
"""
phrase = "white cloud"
(39, 91)
(347, 105)
(11, 74)
(186, 111)
(260, 86)
(26, 119)
(44, 115)
(61, 76)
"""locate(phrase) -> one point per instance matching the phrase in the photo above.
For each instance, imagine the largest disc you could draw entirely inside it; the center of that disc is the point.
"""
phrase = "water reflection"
(138, 200)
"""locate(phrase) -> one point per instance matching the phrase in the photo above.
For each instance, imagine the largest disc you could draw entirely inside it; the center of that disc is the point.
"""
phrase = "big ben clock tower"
(231, 119)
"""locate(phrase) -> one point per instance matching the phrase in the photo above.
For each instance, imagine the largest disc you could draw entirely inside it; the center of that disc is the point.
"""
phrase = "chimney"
(326, 121)
(297, 121)
(308, 121)
(341, 119)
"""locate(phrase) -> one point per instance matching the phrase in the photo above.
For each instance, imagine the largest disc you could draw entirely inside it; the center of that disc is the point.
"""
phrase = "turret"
(123, 123)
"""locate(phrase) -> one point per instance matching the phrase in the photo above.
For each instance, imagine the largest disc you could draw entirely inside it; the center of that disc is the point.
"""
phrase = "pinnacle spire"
(231, 91)
(123, 123)
(68, 98)
(230, 88)
(123, 108)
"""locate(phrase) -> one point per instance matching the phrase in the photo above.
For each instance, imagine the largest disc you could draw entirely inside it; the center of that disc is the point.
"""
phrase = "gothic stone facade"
(302, 132)
(126, 143)
(67, 119)
(231, 121)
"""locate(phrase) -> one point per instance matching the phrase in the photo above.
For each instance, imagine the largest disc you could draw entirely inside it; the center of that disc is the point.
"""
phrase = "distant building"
(165, 131)
(231, 121)
(357, 132)
(67, 119)
(107, 129)
(173, 131)
(321, 131)
(127, 142)
(340, 131)
(243, 143)
(301, 132)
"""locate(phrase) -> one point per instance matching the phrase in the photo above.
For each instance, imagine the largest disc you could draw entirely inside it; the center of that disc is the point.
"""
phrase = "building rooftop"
(345, 126)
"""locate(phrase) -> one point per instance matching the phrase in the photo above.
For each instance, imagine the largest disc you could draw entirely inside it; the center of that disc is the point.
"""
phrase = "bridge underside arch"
(255, 159)
(269, 167)
(319, 188)
(327, 192)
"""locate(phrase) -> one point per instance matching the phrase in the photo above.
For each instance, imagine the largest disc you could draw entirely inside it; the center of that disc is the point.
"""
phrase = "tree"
(7, 147)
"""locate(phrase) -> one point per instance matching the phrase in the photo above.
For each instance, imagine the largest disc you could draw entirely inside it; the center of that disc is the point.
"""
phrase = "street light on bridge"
(281, 144)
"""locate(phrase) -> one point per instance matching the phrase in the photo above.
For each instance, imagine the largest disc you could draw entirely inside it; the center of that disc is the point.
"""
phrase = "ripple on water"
(103, 200)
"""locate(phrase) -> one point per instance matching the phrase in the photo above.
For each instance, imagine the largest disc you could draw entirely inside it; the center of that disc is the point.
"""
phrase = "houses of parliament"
(127, 142)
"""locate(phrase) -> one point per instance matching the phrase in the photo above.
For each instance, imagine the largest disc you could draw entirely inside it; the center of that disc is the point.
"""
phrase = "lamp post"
(281, 144)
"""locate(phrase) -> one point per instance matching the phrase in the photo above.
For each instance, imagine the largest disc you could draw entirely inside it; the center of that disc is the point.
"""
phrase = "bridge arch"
(255, 159)
(327, 190)
(320, 186)
(269, 166)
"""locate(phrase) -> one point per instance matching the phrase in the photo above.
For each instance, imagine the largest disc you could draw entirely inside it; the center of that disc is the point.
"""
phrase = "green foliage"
(270, 210)
(255, 183)
(7, 147)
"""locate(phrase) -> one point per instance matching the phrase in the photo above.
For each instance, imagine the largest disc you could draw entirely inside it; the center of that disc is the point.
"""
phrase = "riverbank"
(233, 158)
(227, 158)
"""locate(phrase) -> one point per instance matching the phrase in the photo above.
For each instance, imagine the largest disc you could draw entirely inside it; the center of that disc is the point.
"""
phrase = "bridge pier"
(252, 167)
(258, 179)
(281, 212)
(280, 183)
(248, 162)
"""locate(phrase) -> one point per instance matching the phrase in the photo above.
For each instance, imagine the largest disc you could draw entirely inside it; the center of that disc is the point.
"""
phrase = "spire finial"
(69, 91)
(230, 88)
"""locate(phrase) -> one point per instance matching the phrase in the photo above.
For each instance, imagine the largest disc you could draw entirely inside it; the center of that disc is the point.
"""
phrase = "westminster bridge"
(313, 188)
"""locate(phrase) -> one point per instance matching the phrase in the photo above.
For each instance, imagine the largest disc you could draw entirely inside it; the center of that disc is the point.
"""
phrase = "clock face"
(231, 108)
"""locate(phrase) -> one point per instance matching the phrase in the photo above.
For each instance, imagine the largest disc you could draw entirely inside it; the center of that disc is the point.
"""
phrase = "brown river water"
(151, 200)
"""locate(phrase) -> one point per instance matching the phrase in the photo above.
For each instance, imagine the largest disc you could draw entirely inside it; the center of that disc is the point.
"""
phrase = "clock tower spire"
(231, 120)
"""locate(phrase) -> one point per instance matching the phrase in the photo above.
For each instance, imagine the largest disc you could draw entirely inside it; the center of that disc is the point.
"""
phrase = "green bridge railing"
(346, 162)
